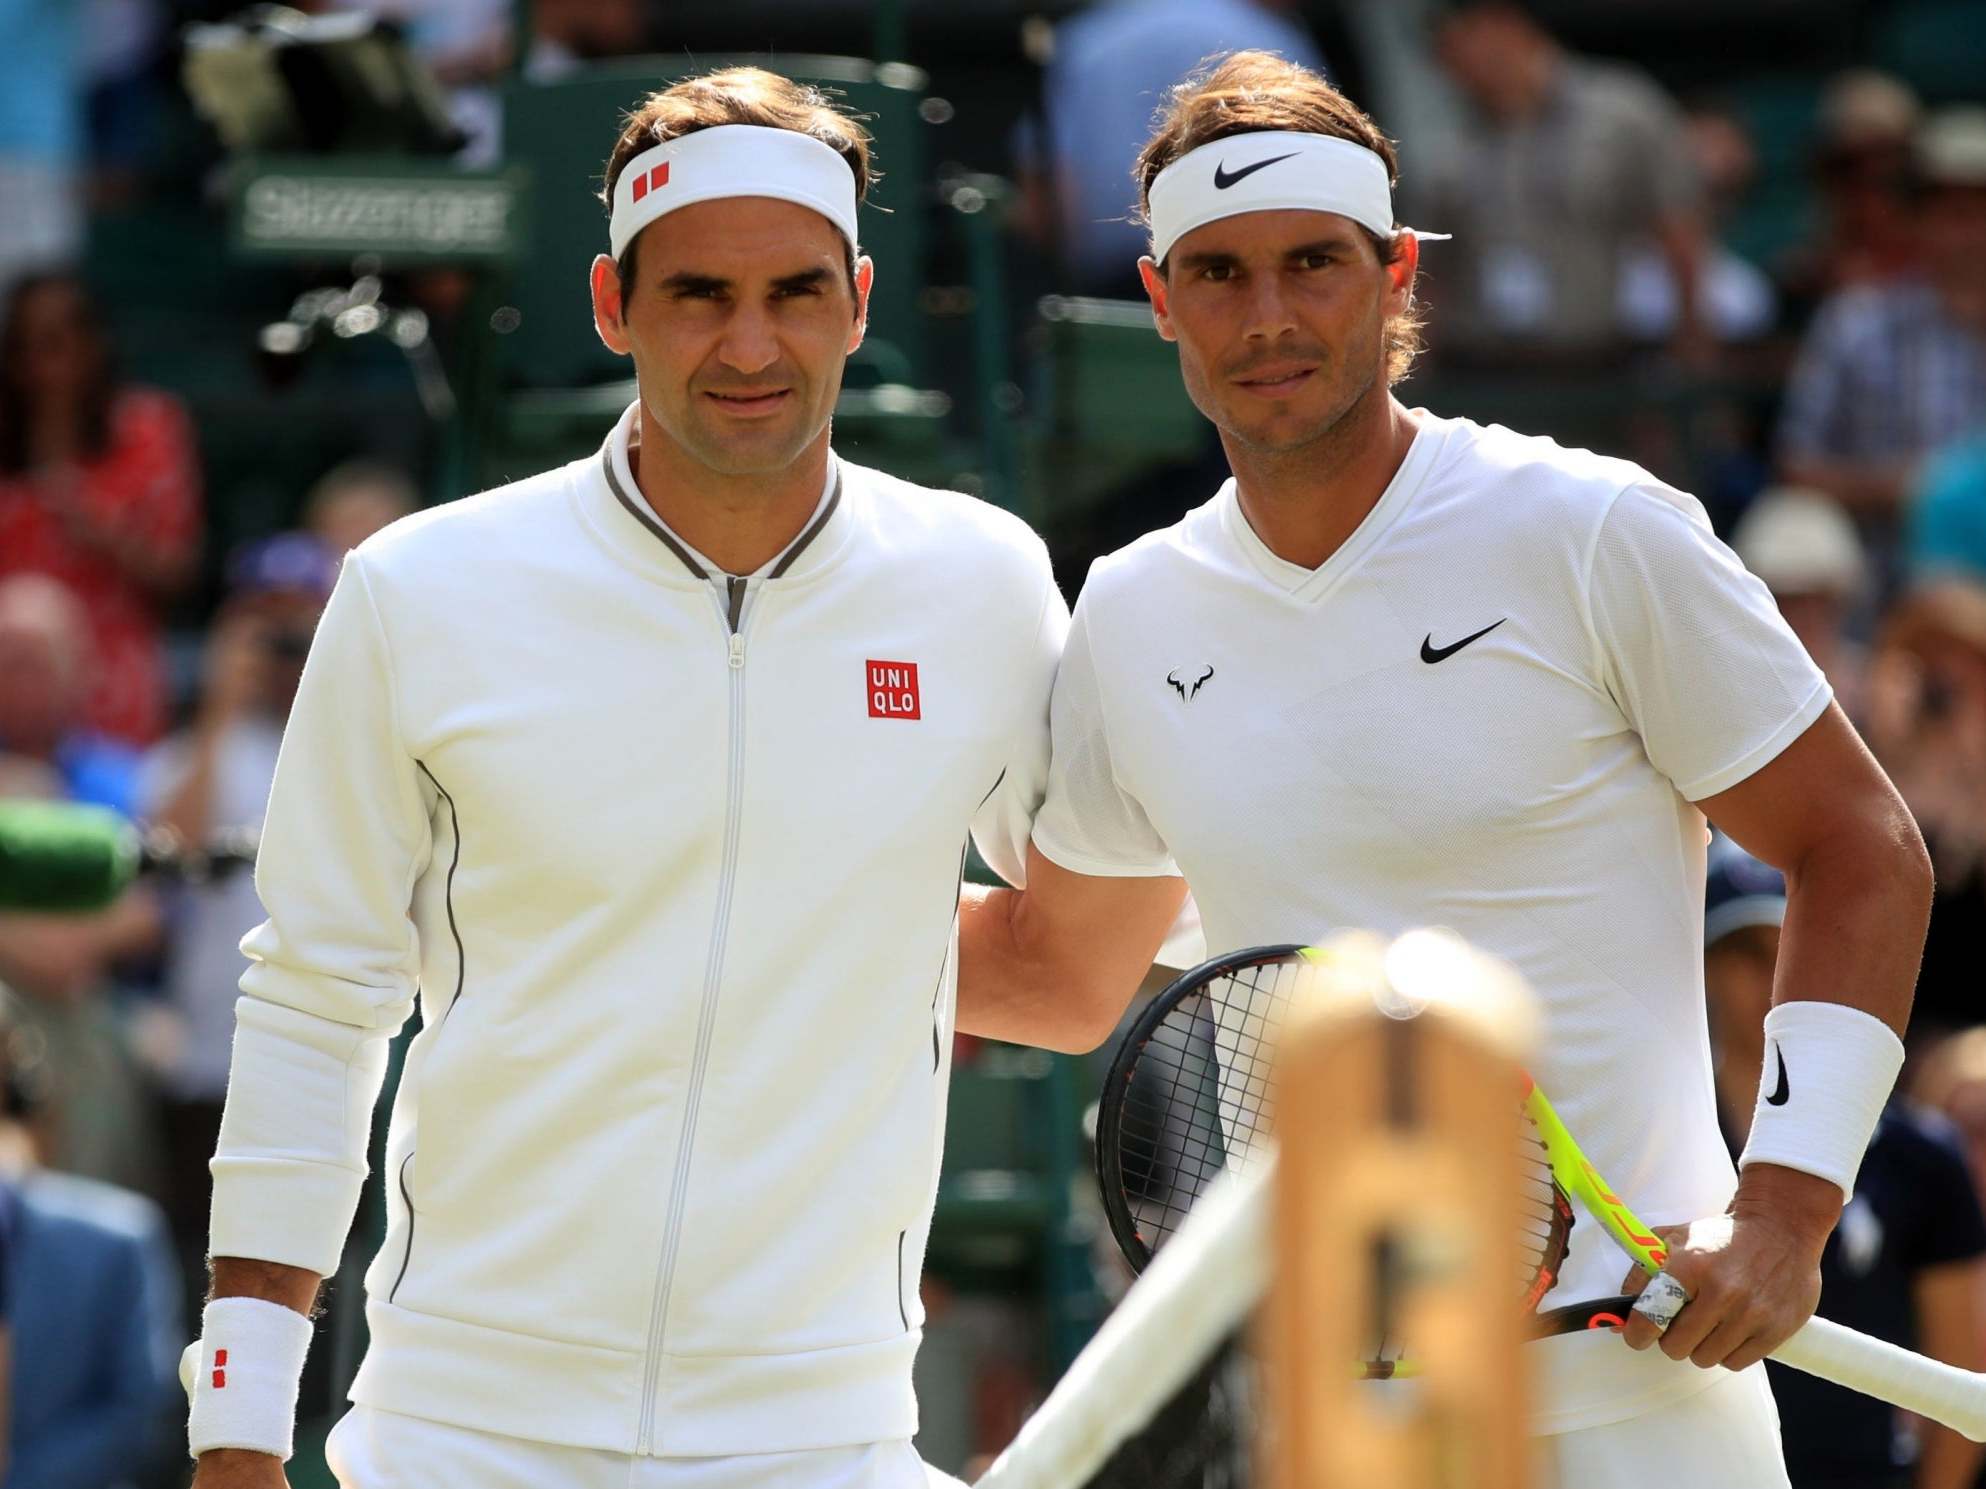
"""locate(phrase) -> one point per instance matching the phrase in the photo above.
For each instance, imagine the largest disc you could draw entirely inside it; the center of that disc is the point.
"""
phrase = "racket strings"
(1200, 1100)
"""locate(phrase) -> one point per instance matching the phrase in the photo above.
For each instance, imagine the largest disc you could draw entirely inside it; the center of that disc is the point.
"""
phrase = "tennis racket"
(1191, 1093)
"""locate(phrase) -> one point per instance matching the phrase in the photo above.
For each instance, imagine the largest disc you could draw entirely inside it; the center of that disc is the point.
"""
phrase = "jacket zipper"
(731, 606)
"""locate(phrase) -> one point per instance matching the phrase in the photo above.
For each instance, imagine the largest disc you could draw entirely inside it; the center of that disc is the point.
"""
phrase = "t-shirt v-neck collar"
(1309, 585)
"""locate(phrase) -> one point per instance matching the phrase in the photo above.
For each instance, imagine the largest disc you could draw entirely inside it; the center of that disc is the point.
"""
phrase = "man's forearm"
(1003, 992)
(1857, 908)
(294, 1288)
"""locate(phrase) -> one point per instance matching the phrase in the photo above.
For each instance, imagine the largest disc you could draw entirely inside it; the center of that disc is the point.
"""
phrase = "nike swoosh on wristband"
(1224, 178)
(1432, 653)
(1779, 1095)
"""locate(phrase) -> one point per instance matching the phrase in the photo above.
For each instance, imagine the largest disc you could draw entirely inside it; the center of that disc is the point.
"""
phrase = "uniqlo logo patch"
(893, 691)
(220, 1370)
(653, 181)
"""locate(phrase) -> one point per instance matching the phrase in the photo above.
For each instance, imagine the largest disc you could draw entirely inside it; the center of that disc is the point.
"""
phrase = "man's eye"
(1218, 273)
(789, 291)
(1317, 260)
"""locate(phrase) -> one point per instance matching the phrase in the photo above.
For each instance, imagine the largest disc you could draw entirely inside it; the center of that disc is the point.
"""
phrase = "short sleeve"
(1691, 646)
(1090, 824)
(1001, 825)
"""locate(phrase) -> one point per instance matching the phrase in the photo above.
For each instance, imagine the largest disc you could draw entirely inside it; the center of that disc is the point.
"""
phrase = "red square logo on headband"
(655, 179)
(893, 692)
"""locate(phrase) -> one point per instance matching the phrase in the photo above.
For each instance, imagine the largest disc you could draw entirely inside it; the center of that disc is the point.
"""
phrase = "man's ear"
(865, 279)
(1157, 290)
(1401, 273)
(609, 319)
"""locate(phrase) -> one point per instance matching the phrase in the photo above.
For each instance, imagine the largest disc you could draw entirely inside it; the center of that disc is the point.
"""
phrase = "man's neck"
(1304, 503)
(739, 523)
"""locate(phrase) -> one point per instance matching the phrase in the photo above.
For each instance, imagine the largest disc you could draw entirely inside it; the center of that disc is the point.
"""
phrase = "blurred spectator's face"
(1485, 52)
(1866, 185)
(1724, 155)
(1280, 319)
(740, 320)
(285, 622)
(353, 515)
(58, 350)
(38, 683)
(1815, 616)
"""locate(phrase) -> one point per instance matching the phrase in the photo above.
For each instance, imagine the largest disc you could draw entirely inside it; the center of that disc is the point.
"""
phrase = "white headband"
(1267, 171)
(732, 160)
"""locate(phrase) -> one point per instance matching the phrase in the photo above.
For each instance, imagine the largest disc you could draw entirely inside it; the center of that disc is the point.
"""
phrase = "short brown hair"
(1248, 92)
(738, 95)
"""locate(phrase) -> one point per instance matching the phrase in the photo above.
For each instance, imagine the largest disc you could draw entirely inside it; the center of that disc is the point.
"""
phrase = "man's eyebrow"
(805, 279)
(695, 283)
(1338, 243)
(1207, 259)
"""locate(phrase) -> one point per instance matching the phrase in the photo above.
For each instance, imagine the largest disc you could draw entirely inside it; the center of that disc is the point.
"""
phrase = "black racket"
(1191, 1094)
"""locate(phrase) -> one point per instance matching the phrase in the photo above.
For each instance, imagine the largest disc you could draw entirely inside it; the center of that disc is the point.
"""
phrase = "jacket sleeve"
(333, 971)
(1001, 826)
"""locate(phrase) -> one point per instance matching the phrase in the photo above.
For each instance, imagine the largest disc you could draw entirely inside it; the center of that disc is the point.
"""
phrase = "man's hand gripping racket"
(1190, 1093)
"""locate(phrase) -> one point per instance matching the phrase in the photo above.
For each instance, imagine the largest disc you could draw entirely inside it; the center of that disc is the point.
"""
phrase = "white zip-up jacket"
(673, 862)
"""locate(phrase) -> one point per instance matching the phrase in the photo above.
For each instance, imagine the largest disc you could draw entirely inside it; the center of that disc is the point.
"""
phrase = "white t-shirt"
(1492, 710)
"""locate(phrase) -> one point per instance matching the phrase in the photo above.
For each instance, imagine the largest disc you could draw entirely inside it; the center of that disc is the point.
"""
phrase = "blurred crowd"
(147, 662)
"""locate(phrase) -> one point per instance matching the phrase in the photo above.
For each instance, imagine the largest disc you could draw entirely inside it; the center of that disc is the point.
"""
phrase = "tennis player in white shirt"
(650, 776)
(1405, 669)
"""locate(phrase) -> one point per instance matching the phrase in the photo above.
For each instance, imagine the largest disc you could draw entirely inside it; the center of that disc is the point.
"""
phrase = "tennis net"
(1165, 1396)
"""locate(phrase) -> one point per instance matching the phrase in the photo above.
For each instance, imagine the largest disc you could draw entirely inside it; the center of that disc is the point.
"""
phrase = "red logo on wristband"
(220, 1371)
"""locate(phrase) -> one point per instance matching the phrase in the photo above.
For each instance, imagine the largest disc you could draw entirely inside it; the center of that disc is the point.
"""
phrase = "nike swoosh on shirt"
(1432, 653)
(1782, 1091)
(1224, 178)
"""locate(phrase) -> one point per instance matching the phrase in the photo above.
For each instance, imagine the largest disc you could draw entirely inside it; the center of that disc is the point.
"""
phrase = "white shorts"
(1725, 1436)
(373, 1449)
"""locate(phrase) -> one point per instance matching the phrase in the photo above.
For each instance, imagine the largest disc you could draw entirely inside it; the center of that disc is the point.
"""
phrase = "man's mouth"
(750, 402)
(1279, 380)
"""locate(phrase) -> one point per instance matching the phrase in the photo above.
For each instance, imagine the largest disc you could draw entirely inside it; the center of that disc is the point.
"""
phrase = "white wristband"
(242, 1376)
(1828, 1071)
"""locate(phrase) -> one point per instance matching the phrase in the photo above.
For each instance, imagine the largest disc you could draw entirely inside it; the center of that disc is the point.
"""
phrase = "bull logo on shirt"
(1180, 687)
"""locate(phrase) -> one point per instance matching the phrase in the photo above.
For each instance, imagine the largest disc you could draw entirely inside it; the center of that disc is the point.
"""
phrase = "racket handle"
(1875, 1367)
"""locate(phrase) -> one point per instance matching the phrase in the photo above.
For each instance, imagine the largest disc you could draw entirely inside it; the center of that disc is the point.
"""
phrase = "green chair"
(1109, 405)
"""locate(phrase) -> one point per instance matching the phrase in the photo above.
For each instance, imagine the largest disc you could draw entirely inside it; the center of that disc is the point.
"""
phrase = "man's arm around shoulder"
(1055, 964)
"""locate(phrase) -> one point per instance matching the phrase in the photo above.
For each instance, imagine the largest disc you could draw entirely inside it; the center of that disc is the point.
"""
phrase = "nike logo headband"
(732, 160)
(1269, 171)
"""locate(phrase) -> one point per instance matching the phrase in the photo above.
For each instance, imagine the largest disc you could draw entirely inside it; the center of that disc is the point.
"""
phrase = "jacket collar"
(632, 525)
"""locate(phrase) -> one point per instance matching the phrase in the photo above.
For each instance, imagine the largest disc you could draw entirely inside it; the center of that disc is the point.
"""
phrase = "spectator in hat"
(1807, 552)
(1889, 373)
(1862, 173)
(213, 778)
(1906, 1263)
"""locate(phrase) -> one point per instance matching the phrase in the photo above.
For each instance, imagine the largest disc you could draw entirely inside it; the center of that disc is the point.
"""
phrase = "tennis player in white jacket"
(651, 777)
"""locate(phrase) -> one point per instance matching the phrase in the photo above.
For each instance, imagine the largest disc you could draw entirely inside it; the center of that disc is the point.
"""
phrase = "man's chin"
(757, 452)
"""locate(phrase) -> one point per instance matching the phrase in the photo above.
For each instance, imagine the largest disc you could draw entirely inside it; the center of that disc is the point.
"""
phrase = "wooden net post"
(1396, 1214)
